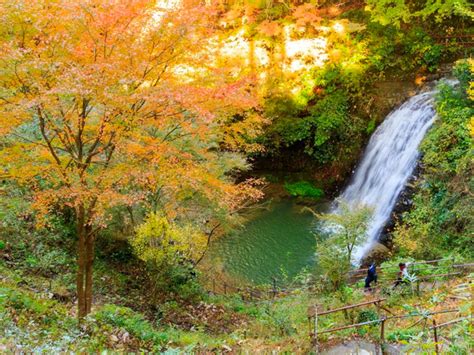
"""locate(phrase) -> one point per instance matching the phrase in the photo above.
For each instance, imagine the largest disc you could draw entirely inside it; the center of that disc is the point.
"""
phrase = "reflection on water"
(277, 242)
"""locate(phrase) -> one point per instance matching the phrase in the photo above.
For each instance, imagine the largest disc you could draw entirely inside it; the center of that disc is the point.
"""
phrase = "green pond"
(276, 242)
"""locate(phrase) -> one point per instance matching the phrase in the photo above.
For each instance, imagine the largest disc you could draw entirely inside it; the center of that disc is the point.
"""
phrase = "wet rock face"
(377, 254)
(392, 93)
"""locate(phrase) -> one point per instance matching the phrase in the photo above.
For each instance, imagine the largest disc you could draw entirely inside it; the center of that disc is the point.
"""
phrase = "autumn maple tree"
(105, 103)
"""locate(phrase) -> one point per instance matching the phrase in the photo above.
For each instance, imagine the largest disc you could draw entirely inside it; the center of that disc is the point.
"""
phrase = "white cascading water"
(388, 162)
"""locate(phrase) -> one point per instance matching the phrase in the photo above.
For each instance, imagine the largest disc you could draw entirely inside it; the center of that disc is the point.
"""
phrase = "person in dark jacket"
(371, 275)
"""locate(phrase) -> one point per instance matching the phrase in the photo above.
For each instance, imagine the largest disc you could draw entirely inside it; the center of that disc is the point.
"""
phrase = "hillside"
(217, 177)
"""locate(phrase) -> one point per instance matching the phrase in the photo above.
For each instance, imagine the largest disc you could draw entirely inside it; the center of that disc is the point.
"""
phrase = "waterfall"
(388, 162)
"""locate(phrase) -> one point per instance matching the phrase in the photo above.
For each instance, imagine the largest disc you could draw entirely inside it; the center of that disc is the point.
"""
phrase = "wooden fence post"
(435, 332)
(382, 335)
(316, 344)
(225, 288)
(274, 287)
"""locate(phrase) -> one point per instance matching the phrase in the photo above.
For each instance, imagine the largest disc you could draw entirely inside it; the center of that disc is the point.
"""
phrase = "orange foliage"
(94, 111)
(95, 82)
(270, 28)
(307, 14)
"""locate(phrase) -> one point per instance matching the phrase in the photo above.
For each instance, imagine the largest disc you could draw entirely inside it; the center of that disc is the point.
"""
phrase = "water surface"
(277, 242)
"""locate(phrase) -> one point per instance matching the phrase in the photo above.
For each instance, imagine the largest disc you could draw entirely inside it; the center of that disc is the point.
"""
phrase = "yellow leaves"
(250, 14)
(240, 135)
(335, 55)
(157, 240)
(20, 165)
(470, 90)
(232, 15)
(408, 244)
(249, 190)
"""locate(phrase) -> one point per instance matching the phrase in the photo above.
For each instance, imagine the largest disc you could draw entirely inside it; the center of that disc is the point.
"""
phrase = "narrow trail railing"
(385, 315)
(414, 265)
(465, 40)
(386, 280)
(314, 316)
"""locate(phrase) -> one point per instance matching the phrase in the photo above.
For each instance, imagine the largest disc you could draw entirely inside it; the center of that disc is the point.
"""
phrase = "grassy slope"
(31, 321)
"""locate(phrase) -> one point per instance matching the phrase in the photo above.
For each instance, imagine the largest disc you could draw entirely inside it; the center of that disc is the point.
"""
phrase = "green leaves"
(323, 123)
(159, 241)
(389, 11)
(329, 116)
(303, 189)
(132, 322)
(396, 12)
(347, 231)
(440, 220)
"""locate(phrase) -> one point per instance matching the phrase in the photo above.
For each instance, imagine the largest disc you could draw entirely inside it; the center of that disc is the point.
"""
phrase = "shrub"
(367, 315)
(303, 189)
(169, 252)
(440, 221)
(317, 120)
(347, 229)
(402, 335)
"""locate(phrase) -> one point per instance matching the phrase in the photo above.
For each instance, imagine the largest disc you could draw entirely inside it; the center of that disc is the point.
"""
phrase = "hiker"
(371, 275)
(402, 275)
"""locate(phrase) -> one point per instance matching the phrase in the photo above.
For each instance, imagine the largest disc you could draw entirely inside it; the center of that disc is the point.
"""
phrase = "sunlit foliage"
(403, 11)
(94, 112)
(158, 241)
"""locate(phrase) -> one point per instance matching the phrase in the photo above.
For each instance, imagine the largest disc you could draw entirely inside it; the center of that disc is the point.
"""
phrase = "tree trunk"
(89, 271)
(85, 261)
(251, 56)
(81, 263)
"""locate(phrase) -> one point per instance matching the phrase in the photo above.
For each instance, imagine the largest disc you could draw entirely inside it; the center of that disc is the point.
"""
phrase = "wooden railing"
(314, 315)
(463, 39)
(272, 289)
